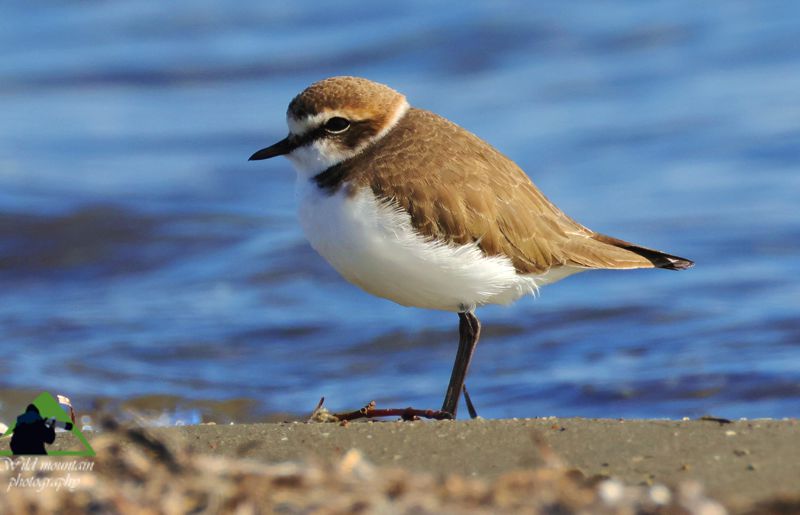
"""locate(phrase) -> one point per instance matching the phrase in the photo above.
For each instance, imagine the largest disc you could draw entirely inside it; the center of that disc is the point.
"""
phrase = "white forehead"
(300, 126)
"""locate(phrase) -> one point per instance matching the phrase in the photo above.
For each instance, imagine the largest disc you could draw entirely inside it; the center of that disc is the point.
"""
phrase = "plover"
(415, 209)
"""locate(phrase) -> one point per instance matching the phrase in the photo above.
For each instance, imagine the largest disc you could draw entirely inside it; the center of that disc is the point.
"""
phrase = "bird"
(413, 208)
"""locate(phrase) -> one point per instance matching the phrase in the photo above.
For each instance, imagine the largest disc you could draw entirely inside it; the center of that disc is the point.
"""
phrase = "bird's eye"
(336, 125)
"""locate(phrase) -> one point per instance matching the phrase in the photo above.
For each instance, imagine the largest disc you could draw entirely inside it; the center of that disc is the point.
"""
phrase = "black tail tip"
(676, 263)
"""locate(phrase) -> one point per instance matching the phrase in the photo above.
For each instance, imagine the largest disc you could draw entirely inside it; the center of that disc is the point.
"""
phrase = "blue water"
(141, 254)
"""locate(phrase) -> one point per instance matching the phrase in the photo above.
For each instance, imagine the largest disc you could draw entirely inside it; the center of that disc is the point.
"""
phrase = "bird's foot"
(321, 414)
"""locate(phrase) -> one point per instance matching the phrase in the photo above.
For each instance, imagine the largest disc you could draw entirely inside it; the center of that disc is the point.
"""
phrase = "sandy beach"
(740, 462)
(747, 466)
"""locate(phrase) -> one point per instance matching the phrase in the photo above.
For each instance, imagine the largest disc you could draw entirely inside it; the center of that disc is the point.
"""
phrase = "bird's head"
(333, 120)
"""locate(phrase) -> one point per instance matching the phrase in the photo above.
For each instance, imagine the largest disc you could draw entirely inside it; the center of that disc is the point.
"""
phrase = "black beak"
(280, 148)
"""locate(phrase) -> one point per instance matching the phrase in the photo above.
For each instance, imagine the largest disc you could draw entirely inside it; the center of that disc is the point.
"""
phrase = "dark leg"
(470, 407)
(469, 330)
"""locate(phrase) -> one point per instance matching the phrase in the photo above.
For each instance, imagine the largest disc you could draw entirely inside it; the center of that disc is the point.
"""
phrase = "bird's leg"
(469, 330)
(470, 407)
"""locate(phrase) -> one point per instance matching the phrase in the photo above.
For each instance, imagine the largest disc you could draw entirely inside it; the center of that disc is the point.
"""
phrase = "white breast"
(372, 243)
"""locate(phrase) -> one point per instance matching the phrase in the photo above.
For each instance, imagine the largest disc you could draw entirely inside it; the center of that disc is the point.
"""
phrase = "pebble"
(660, 494)
(611, 491)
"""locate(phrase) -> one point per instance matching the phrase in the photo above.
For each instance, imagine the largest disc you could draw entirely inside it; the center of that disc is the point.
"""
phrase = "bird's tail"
(657, 258)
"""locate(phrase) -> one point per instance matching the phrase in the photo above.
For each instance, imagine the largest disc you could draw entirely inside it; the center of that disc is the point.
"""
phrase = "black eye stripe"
(350, 137)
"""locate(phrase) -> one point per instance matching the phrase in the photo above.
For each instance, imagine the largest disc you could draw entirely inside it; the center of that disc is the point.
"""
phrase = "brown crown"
(350, 94)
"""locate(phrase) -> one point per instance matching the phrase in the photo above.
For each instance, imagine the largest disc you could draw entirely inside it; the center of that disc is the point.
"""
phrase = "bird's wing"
(459, 189)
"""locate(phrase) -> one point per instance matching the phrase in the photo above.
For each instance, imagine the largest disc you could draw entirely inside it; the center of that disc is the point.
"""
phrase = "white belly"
(373, 245)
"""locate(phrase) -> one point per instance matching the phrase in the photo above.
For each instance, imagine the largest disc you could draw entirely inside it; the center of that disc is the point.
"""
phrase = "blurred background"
(144, 261)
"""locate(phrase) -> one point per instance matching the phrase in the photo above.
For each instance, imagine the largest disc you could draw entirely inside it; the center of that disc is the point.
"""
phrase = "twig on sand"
(321, 414)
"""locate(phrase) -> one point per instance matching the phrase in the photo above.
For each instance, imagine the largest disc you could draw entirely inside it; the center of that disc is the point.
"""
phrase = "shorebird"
(415, 209)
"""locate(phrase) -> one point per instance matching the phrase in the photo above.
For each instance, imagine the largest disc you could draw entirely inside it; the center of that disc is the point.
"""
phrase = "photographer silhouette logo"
(37, 426)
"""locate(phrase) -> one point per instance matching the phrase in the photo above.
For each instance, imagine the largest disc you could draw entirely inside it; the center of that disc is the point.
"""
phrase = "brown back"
(459, 189)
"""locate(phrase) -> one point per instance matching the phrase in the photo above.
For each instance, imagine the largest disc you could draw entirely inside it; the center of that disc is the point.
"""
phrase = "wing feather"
(459, 189)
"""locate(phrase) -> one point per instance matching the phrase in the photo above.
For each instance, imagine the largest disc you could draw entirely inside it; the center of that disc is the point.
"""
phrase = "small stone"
(660, 494)
(610, 491)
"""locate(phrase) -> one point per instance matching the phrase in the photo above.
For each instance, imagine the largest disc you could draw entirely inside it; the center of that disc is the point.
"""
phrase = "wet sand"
(738, 463)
